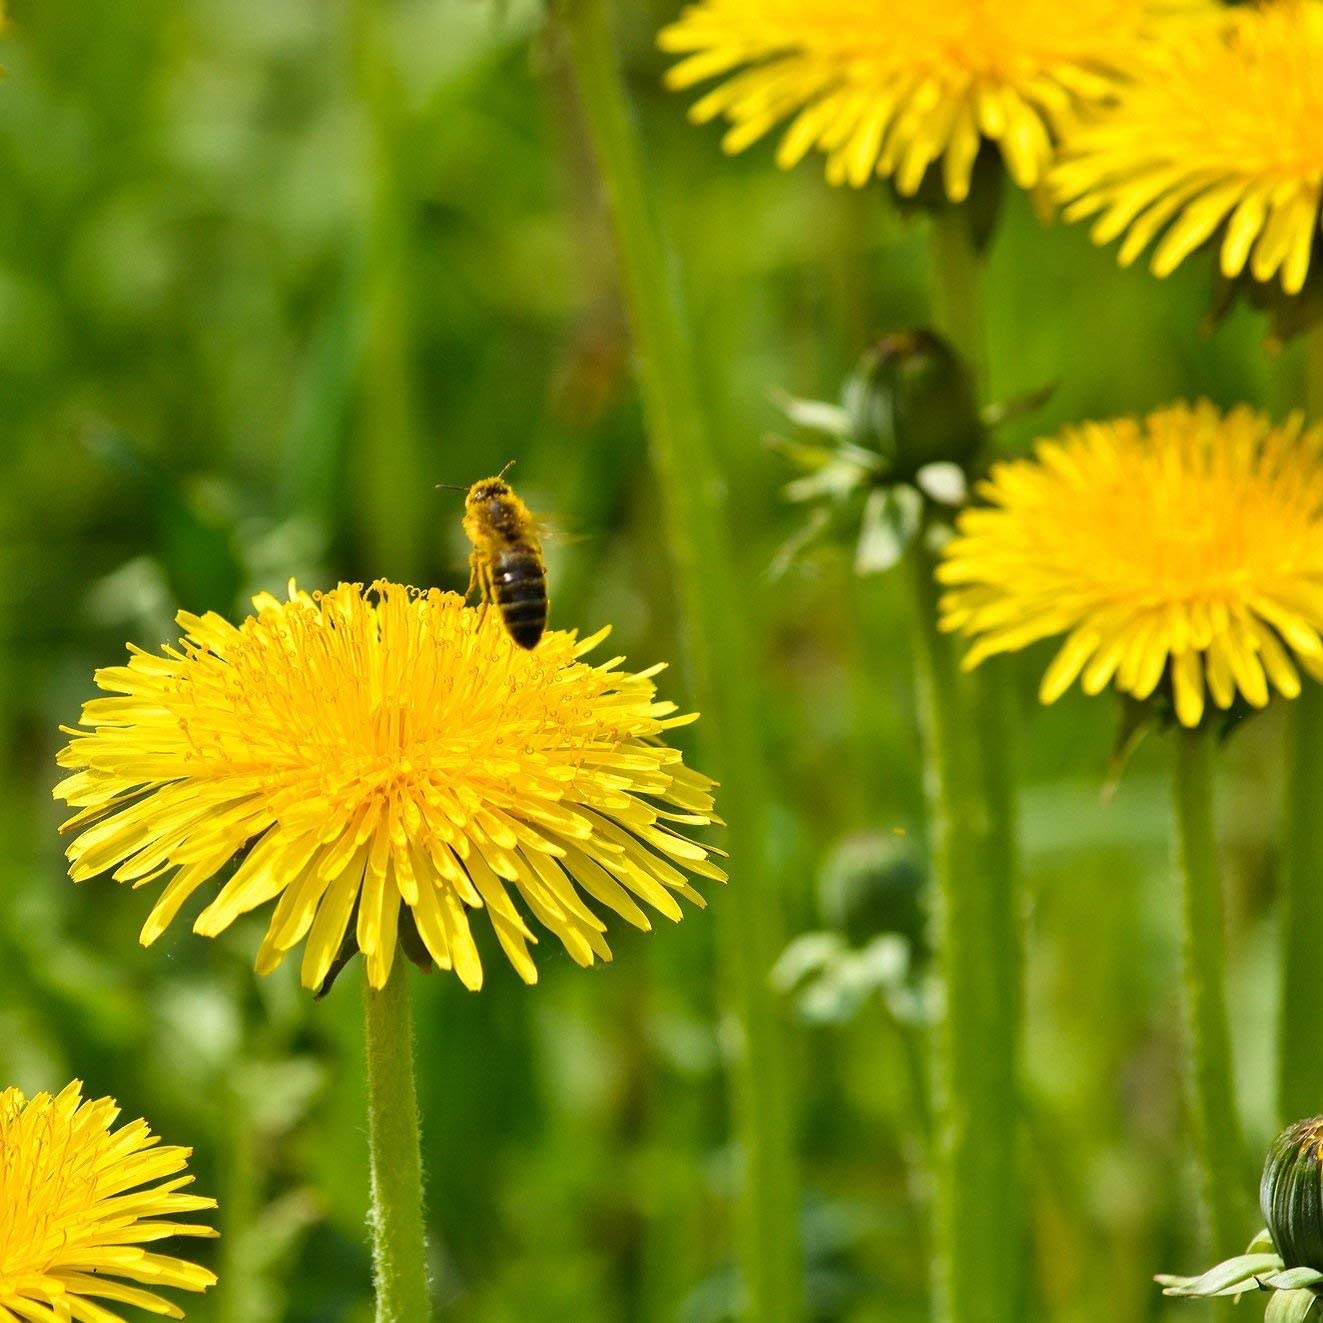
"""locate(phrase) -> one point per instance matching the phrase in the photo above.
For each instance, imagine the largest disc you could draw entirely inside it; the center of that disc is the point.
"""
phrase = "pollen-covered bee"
(506, 563)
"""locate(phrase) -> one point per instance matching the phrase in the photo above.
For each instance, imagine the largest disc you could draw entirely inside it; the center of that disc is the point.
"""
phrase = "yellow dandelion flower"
(365, 751)
(1220, 138)
(1188, 546)
(78, 1203)
(888, 89)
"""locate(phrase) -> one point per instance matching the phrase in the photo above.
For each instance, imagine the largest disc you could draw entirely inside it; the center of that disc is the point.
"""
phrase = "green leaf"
(1261, 1244)
(1289, 1306)
(1225, 1277)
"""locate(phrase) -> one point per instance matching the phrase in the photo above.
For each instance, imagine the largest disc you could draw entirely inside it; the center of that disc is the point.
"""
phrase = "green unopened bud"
(1291, 1194)
(873, 883)
(912, 400)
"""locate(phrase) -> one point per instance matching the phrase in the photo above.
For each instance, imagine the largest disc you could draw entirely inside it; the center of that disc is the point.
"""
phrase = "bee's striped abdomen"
(519, 584)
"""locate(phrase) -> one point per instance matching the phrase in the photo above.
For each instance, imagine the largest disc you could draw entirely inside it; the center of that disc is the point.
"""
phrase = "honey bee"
(506, 564)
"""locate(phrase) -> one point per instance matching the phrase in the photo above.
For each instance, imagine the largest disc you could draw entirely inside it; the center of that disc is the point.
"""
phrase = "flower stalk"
(971, 792)
(720, 649)
(957, 288)
(977, 1263)
(1212, 1081)
(399, 1249)
(1300, 1065)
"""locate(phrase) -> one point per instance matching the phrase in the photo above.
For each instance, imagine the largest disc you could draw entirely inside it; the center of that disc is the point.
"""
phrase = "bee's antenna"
(450, 487)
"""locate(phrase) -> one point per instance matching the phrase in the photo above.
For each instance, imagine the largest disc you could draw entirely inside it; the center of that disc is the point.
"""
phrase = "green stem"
(720, 648)
(1300, 1062)
(957, 289)
(958, 308)
(980, 1216)
(399, 1250)
(1300, 1065)
(238, 1300)
(1217, 1130)
(977, 1231)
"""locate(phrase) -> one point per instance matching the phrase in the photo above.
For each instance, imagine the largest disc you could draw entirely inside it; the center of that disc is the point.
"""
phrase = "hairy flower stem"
(957, 289)
(720, 649)
(1300, 1061)
(241, 1298)
(1225, 1172)
(971, 792)
(399, 1250)
(978, 1246)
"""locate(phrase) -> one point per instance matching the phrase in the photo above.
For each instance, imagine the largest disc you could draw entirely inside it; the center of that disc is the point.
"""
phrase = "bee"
(506, 564)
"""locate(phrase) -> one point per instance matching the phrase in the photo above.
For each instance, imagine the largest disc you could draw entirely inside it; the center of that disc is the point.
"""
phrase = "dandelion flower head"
(888, 89)
(1187, 546)
(368, 751)
(79, 1201)
(1218, 141)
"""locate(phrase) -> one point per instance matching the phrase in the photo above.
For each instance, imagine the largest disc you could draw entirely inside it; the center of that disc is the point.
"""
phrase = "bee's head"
(489, 489)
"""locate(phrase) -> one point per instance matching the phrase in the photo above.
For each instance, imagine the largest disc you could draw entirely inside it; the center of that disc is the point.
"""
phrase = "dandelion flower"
(78, 1203)
(1187, 546)
(888, 89)
(367, 750)
(1219, 141)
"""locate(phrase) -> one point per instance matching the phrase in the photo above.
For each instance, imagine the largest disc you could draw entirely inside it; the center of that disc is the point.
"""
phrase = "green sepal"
(1289, 315)
(1230, 1277)
(1018, 406)
(891, 521)
(814, 415)
(834, 471)
(980, 211)
(410, 942)
(1137, 720)
(1157, 712)
(799, 542)
(1293, 1279)
(946, 484)
(1289, 1306)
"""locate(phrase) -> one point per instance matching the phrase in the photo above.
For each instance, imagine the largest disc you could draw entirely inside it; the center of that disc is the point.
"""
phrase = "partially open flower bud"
(1291, 1194)
(912, 400)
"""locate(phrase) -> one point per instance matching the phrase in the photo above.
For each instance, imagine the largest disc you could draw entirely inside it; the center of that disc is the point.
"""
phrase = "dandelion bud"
(912, 400)
(874, 883)
(1291, 1194)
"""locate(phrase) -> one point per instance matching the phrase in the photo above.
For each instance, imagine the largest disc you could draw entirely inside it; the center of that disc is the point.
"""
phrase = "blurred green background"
(268, 273)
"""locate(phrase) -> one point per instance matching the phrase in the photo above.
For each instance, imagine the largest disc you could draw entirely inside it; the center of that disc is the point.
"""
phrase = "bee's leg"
(473, 575)
(486, 588)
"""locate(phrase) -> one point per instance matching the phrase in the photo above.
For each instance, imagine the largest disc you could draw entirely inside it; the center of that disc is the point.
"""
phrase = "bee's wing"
(557, 530)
